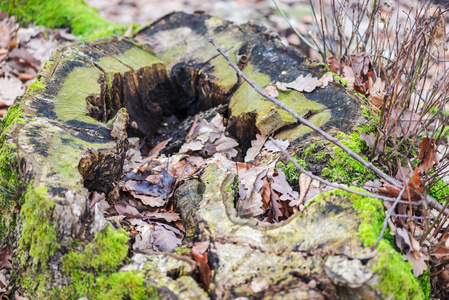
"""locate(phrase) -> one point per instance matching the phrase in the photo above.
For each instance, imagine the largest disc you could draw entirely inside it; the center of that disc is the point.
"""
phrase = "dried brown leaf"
(370, 140)
(150, 200)
(418, 263)
(276, 205)
(403, 240)
(226, 146)
(250, 191)
(10, 88)
(415, 181)
(326, 78)
(169, 216)
(427, 154)
(204, 266)
(5, 258)
(301, 84)
(155, 151)
(165, 239)
(201, 247)
(272, 91)
(280, 185)
(144, 238)
(304, 184)
(256, 146)
(277, 145)
(127, 210)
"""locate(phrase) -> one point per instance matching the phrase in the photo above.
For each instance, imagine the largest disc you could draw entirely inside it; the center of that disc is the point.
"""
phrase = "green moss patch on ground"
(439, 190)
(81, 18)
(340, 167)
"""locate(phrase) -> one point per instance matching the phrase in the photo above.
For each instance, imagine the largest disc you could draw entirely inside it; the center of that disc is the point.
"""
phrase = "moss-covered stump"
(181, 40)
(68, 147)
(70, 132)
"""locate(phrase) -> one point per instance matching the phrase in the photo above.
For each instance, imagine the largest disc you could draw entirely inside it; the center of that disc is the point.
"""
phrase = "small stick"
(387, 217)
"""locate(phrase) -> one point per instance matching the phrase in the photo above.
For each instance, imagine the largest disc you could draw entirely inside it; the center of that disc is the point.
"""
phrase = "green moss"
(93, 269)
(38, 233)
(395, 274)
(104, 254)
(76, 14)
(439, 190)
(291, 173)
(121, 285)
(424, 283)
(12, 182)
(35, 85)
(345, 169)
(47, 65)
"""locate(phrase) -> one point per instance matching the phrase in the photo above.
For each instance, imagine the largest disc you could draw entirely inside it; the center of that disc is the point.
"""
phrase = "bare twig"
(387, 217)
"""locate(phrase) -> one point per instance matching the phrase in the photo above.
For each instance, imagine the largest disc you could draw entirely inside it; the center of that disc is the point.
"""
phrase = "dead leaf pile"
(208, 138)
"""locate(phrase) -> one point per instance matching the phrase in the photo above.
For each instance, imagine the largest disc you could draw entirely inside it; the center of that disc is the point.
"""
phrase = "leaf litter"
(145, 205)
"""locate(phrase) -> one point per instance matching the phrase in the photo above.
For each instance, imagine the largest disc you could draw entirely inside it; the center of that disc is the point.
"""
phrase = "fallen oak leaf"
(326, 78)
(201, 247)
(127, 210)
(415, 181)
(165, 239)
(169, 216)
(275, 145)
(301, 84)
(418, 263)
(144, 238)
(428, 154)
(150, 200)
(256, 146)
(279, 184)
(402, 239)
(155, 151)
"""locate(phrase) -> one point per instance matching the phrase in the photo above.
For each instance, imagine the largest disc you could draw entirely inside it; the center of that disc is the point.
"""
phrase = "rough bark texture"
(68, 147)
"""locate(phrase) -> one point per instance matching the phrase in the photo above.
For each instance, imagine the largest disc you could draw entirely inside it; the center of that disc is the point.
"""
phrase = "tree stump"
(72, 137)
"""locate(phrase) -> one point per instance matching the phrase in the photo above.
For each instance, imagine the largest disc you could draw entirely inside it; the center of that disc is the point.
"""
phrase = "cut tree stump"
(72, 137)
